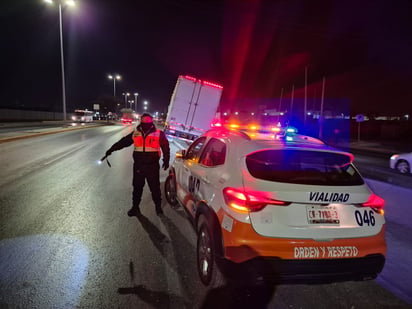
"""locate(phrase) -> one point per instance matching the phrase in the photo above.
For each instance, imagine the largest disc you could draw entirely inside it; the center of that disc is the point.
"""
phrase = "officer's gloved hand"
(165, 165)
(108, 153)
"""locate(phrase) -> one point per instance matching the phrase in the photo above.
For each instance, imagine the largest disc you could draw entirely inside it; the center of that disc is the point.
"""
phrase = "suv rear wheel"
(209, 272)
(170, 190)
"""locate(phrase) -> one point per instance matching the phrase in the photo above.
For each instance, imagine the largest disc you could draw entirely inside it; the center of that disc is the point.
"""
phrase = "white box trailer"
(192, 108)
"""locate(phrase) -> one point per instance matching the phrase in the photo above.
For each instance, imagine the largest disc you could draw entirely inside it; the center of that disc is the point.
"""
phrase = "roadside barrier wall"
(25, 115)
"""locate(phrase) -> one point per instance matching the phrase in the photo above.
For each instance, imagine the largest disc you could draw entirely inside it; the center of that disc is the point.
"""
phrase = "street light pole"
(70, 3)
(126, 94)
(135, 100)
(62, 61)
(114, 77)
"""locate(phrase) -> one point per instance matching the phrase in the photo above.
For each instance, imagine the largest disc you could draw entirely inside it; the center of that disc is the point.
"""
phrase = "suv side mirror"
(180, 154)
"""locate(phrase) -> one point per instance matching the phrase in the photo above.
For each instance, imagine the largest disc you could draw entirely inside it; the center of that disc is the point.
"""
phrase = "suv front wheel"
(208, 270)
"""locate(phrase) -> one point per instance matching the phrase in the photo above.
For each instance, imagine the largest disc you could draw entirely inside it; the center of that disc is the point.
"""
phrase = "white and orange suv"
(289, 210)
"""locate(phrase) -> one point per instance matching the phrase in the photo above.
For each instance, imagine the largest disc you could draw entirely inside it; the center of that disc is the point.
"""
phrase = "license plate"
(322, 214)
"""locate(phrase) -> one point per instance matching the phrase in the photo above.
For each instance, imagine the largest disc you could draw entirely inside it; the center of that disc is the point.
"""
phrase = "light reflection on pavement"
(42, 271)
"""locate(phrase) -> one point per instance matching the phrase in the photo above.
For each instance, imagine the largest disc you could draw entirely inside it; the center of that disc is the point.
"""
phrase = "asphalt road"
(66, 241)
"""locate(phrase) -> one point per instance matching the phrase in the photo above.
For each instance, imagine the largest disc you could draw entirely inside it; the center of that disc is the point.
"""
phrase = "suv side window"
(214, 154)
(194, 150)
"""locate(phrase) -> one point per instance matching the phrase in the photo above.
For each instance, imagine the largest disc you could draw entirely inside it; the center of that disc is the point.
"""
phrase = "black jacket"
(145, 157)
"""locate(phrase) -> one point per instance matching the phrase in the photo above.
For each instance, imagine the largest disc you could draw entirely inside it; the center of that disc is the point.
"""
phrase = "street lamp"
(68, 3)
(145, 105)
(114, 77)
(135, 100)
(126, 94)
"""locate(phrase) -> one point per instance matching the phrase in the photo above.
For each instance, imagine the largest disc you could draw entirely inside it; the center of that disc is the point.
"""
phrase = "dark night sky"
(253, 48)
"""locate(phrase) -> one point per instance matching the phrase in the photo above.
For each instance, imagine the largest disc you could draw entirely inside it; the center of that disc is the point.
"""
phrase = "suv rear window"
(303, 167)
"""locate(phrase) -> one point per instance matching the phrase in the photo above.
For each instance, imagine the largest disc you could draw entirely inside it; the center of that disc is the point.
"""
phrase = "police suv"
(289, 210)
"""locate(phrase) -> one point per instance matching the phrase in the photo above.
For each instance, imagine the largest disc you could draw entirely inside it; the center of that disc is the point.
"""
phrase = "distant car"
(127, 121)
(288, 209)
(401, 162)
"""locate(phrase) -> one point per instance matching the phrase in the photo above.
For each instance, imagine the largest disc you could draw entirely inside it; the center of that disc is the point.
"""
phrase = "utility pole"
(280, 104)
(321, 110)
(306, 97)
(291, 102)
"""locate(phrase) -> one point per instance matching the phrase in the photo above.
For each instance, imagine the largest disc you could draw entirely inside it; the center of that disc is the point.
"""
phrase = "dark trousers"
(141, 173)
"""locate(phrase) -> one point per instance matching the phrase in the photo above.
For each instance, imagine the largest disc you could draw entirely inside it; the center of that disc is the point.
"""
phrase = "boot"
(159, 210)
(134, 212)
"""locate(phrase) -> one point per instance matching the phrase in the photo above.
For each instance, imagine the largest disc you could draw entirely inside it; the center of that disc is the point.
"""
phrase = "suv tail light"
(376, 203)
(244, 202)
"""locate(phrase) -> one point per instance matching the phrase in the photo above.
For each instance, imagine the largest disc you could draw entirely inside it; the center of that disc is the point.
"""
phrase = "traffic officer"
(147, 141)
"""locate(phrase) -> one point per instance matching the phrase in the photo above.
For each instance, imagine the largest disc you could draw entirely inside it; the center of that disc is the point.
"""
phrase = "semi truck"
(127, 116)
(193, 107)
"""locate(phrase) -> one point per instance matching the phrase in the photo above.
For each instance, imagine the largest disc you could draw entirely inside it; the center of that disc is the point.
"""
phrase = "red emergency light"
(200, 81)
(212, 85)
(190, 78)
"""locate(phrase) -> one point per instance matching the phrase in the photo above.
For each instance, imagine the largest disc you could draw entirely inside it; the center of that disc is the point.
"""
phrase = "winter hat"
(146, 115)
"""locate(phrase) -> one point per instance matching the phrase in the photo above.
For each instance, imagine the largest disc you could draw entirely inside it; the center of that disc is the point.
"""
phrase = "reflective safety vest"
(148, 143)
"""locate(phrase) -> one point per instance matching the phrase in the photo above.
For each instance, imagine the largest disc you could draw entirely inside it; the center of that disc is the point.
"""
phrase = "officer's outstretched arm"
(125, 141)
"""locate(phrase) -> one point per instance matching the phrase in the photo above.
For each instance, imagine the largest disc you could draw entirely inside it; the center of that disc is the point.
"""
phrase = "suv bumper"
(242, 244)
(275, 270)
